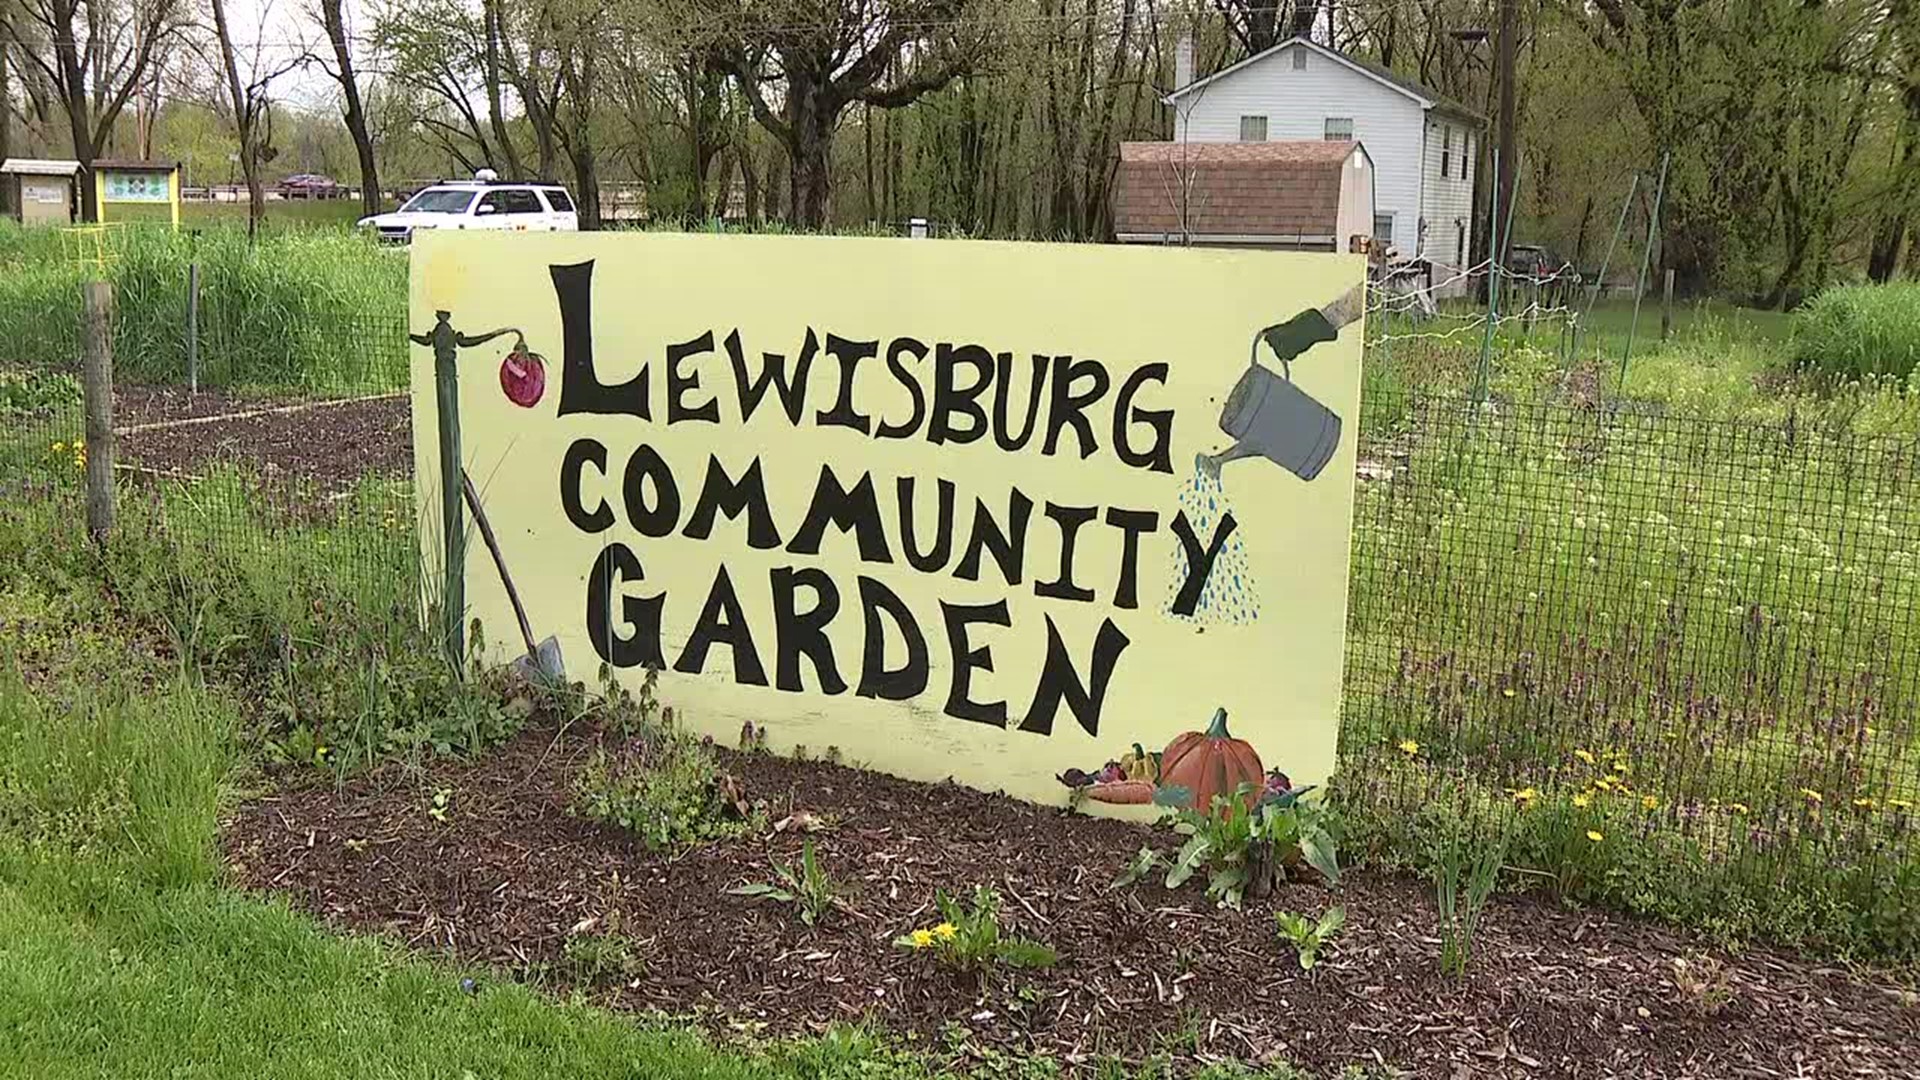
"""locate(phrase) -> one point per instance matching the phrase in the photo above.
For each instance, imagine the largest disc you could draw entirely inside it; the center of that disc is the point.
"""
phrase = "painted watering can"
(1269, 416)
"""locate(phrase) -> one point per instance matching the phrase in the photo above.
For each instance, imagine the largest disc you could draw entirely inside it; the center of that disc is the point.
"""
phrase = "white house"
(1421, 145)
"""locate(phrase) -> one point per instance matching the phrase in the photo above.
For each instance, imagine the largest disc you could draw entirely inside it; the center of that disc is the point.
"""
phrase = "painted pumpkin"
(1210, 763)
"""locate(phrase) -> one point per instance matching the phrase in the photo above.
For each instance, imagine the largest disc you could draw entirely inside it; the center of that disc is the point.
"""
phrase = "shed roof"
(39, 167)
(130, 165)
(1380, 73)
(1253, 189)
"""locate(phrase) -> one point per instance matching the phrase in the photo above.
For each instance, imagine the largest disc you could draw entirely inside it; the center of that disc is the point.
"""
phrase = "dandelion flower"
(921, 938)
(1812, 795)
(1648, 802)
(59, 448)
(1583, 801)
(945, 931)
(1584, 755)
(1737, 807)
(1596, 835)
(1507, 692)
(1620, 765)
(1409, 747)
(1865, 804)
(1900, 804)
(1525, 796)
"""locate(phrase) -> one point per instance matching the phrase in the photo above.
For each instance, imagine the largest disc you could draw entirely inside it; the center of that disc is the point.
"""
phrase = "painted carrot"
(1131, 792)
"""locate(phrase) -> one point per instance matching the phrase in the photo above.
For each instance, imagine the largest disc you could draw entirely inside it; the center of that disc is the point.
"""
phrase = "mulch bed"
(323, 447)
(509, 874)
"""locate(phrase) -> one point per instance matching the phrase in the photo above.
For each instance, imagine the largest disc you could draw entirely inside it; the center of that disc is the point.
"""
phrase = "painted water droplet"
(1227, 598)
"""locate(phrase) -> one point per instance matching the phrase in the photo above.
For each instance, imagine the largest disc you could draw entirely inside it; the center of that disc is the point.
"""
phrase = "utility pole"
(1509, 153)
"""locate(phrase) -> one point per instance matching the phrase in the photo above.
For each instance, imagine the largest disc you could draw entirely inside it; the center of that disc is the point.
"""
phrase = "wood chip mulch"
(509, 874)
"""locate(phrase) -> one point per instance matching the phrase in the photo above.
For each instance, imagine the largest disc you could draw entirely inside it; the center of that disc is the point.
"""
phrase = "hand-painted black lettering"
(1131, 523)
(953, 402)
(1003, 435)
(580, 454)
(773, 373)
(1199, 561)
(855, 511)
(905, 378)
(1070, 518)
(798, 634)
(641, 648)
(680, 382)
(967, 660)
(722, 622)
(581, 390)
(849, 354)
(661, 518)
(933, 561)
(1007, 546)
(721, 494)
(1066, 408)
(1157, 457)
(1060, 682)
(876, 679)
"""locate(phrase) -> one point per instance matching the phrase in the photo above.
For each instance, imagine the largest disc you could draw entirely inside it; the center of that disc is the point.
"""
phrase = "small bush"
(661, 784)
(1860, 332)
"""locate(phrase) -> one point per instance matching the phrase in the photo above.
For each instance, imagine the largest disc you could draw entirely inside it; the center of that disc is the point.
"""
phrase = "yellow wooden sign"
(1000, 512)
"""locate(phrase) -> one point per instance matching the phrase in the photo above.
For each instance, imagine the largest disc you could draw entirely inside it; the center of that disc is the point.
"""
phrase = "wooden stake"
(96, 375)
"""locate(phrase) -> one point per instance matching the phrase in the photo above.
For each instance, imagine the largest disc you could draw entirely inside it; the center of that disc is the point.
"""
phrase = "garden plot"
(489, 860)
(328, 446)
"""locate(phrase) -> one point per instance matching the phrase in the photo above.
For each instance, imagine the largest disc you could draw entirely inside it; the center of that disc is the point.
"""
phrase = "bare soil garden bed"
(501, 874)
(327, 446)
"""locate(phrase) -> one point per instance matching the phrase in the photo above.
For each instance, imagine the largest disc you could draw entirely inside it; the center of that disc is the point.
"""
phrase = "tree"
(251, 107)
(333, 21)
(7, 47)
(1259, 25)
(826, 57)
(102, 53)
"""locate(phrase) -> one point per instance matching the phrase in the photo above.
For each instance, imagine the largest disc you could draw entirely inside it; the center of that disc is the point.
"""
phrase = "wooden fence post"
(193, 327)
(97, 386)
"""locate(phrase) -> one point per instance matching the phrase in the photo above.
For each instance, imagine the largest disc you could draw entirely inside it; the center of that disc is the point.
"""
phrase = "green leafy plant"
(595, 953)
(1243, 845)
(1309, 936)
(1461, 900)
(970, 937)
(663, 786)
(801, 883)
(438, 807)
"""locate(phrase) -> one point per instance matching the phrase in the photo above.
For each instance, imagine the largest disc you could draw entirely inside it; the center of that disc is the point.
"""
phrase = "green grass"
(1861, 332)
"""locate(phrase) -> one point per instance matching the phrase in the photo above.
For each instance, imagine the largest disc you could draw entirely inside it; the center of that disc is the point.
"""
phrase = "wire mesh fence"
(1687, 641)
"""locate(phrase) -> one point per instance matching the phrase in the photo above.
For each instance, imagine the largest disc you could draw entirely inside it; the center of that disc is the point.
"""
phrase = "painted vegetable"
(1210, 763)
(523, 377)
(1123, 792)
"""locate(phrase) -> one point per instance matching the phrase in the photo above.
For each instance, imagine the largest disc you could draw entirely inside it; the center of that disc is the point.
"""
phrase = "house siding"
(1448, 199)
(1387, 122)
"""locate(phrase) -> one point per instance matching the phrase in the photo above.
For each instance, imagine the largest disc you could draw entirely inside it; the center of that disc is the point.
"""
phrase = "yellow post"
(173, 195)
(99, 195)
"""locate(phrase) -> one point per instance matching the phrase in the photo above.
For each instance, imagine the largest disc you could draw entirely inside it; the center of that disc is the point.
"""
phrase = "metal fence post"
(1646, 263)
(193, 327)
(96, 374)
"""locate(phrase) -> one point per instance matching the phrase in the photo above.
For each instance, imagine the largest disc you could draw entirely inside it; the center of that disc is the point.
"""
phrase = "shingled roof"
(1244, 189)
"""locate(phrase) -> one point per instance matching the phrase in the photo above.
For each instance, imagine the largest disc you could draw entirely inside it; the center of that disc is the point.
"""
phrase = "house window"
(1339, 129)
(1253, 129)
(1446, 151)
(1383, 229)
(1299, 59)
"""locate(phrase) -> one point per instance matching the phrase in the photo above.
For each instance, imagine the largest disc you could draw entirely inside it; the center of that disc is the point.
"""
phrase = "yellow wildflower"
(945, 931)
(1900, 804)
(1865, 804)
(1508, 692)
(921, 938)
(1737, 807)
(1583, 801)
(1604, 783)
(1584, 755)
(59, 448)
(1620, 765)
(1812, 795)
(1409, 747)
(1524, 796)
(1596, 835)
(1648, 802)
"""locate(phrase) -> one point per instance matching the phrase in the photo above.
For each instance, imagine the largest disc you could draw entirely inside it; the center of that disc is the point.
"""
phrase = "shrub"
(1860, 331)
(660, 784)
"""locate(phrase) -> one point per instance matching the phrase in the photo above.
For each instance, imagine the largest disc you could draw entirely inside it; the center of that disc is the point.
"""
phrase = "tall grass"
(314, 309)
(1861, 332)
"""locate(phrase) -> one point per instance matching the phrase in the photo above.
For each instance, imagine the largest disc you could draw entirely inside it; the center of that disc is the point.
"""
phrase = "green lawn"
(329, 213)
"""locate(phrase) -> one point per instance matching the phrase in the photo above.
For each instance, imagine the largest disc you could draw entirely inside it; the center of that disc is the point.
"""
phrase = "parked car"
(1533, 263)
(310, 186)
(483, 203)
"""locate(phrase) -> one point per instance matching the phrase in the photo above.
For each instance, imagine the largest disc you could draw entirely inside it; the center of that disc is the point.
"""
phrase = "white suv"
(481, 203)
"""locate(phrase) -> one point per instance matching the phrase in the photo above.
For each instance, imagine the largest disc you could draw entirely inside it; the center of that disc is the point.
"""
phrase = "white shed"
(1422, 146)
(39, 192)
